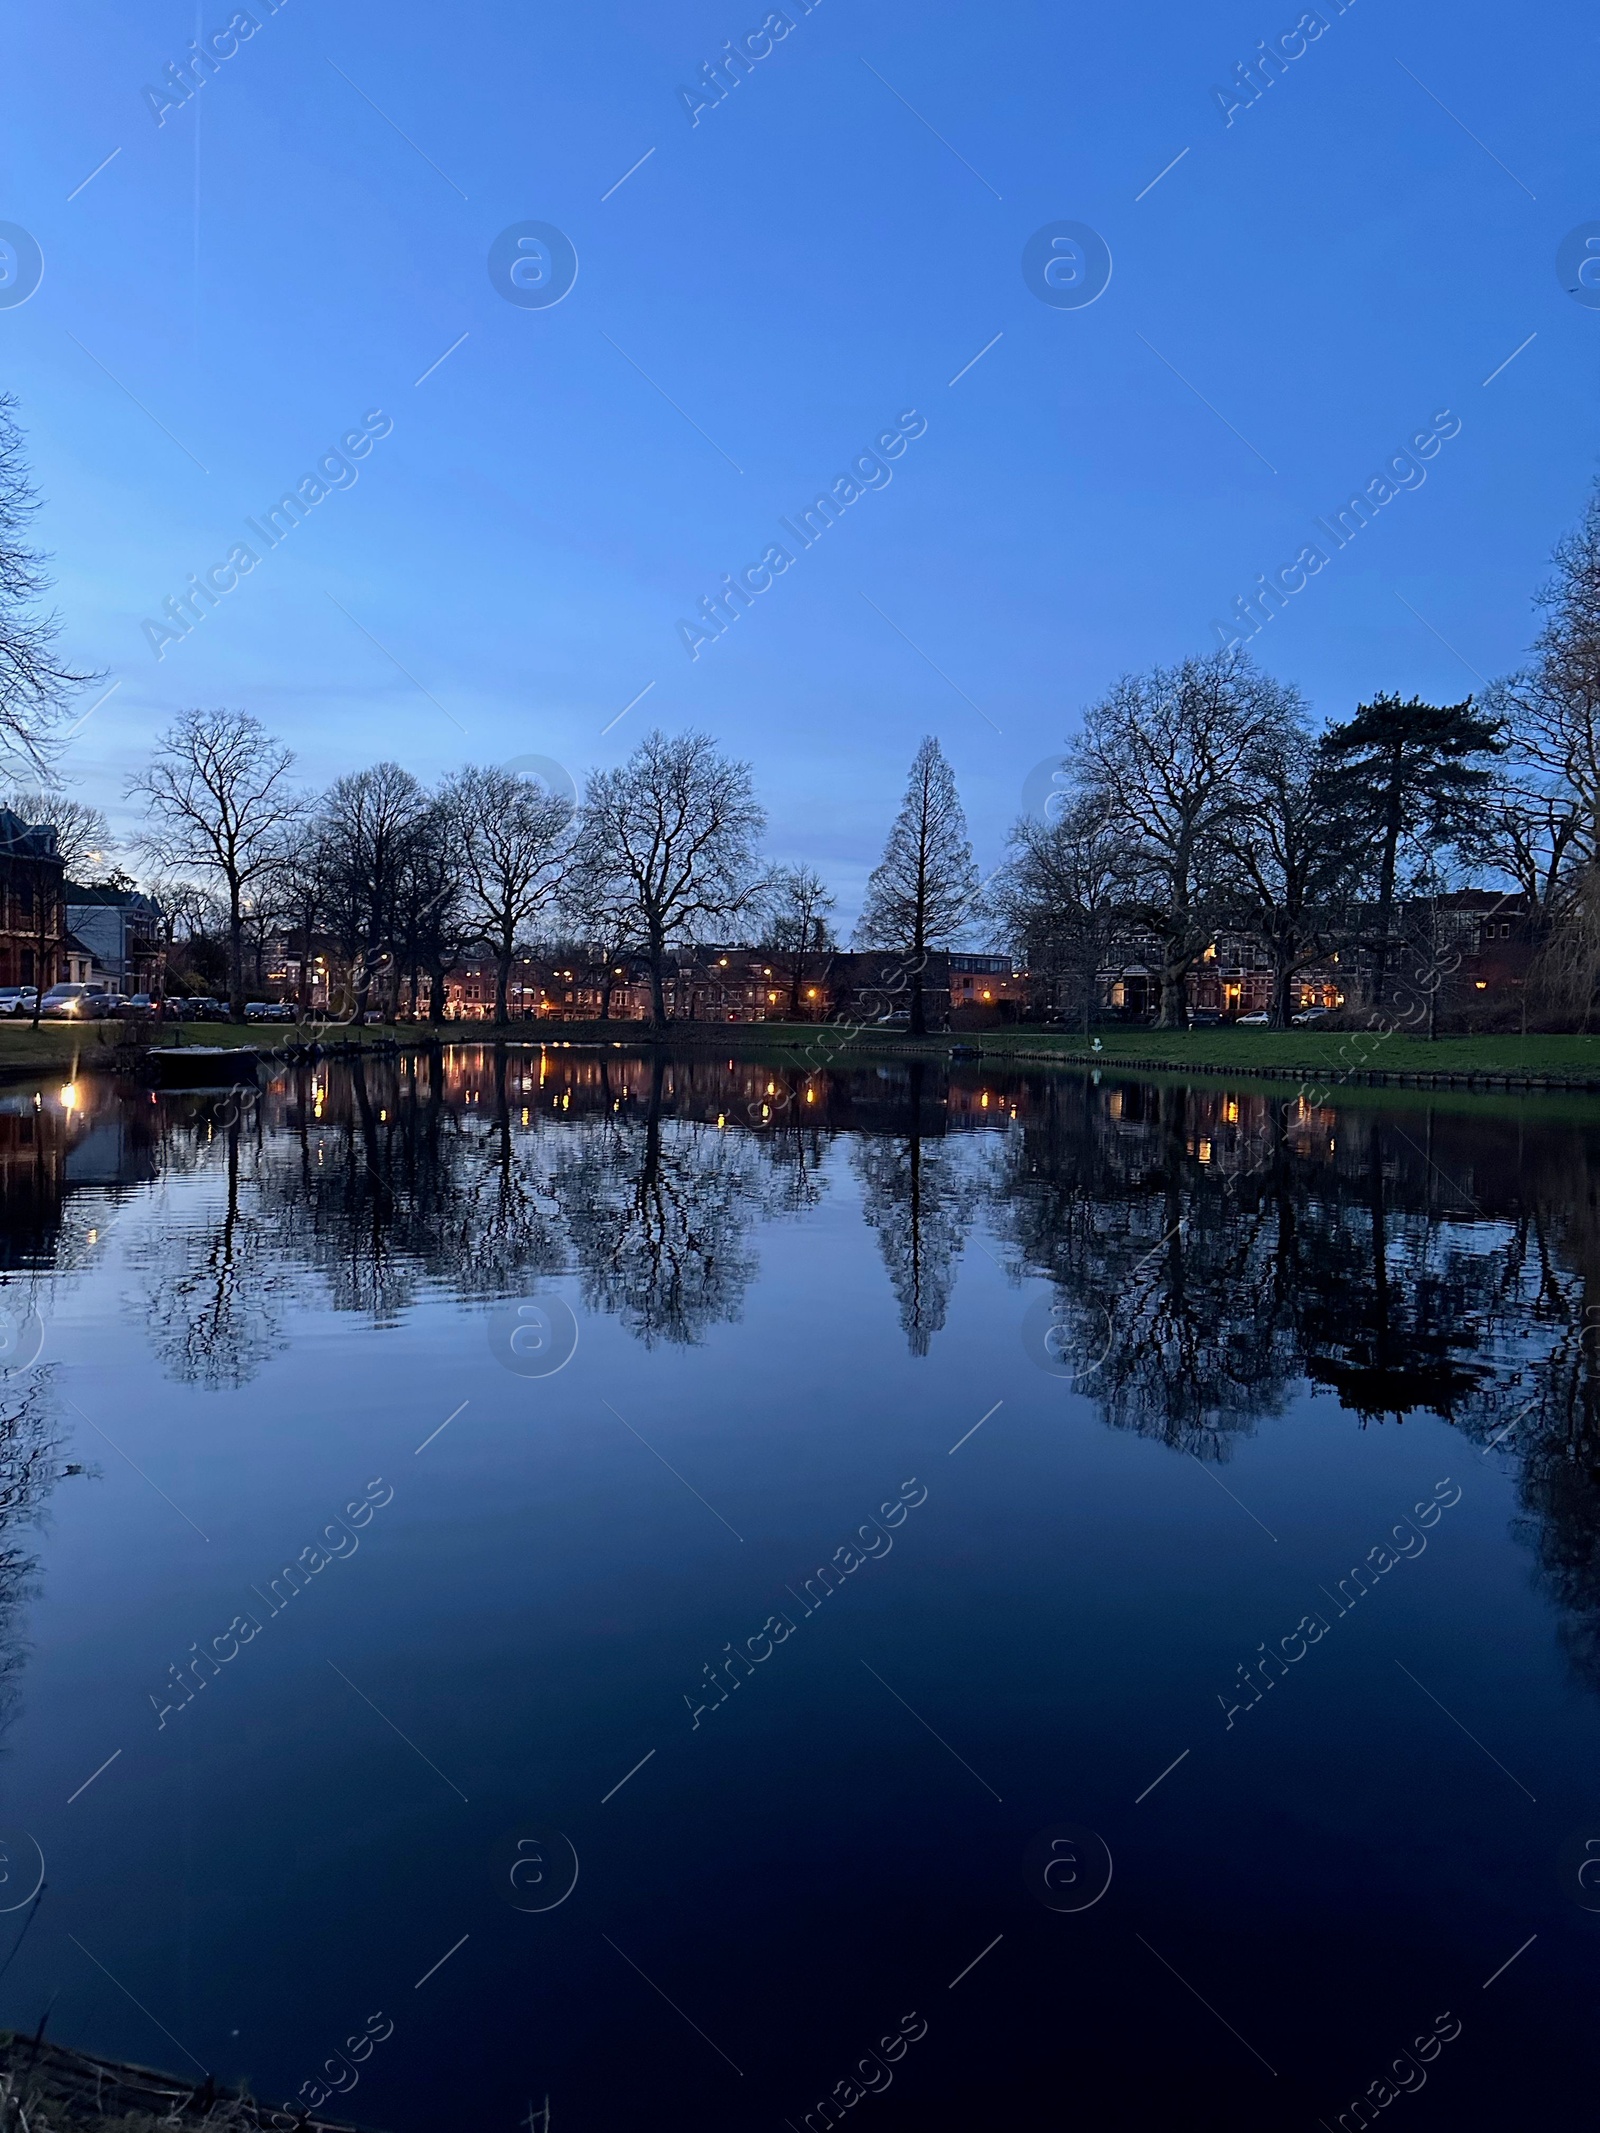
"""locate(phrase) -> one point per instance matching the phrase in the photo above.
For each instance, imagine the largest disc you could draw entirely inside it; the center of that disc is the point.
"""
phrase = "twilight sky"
(811, 263)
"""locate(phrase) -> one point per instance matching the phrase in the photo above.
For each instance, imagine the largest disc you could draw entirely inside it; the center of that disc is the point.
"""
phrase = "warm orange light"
(1482, 984)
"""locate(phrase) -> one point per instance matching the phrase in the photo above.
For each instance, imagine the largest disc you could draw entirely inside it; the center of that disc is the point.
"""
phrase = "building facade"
(33, 921)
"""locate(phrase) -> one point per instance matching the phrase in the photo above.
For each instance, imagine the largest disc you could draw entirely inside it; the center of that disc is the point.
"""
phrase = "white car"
(1254, 1021)
(63, 1002)
(17, 999)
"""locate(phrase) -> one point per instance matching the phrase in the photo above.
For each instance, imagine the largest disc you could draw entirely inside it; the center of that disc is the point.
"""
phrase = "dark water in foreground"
(974, 1435)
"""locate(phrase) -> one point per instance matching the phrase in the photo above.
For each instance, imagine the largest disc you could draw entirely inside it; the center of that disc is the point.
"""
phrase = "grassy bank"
(1326, 1055)
(1295, 1053)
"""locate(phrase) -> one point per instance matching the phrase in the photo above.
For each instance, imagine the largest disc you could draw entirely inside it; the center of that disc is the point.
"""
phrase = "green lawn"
(1280, 1053)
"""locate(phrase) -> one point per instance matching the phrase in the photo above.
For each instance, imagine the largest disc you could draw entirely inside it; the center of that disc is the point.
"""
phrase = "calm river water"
(1033, 1600)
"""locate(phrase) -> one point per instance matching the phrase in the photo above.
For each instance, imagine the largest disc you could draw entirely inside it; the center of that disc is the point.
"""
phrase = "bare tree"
(83, 836)
(1164, 756)
(369, 823)
(672, 832)
(34, 684)
(512, 841)
(1295, 863)
(925, 888)
(799, 907)
(1057, 897)
(220, 803)
(430, 925)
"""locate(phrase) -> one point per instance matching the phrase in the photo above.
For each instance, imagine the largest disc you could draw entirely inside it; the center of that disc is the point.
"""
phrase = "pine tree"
(1410, 777)
(925, 887)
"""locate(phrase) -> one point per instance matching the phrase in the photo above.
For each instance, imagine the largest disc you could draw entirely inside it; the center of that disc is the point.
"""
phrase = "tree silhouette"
(925, 887)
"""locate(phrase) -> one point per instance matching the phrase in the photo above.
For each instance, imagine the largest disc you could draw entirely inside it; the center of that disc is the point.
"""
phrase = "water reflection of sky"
(1271, 1331)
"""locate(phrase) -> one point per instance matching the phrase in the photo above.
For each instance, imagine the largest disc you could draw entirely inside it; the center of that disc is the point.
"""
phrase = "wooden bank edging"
(1325, 1076)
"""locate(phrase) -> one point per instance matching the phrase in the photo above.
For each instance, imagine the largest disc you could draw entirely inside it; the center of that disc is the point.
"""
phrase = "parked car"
(1311, 1014)
(1255, 1021)
(202, 1008)
(69, 1002)
(269, 1011)
(17, 999)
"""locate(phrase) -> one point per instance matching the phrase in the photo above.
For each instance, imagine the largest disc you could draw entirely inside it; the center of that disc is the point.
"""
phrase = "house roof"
(24, 840)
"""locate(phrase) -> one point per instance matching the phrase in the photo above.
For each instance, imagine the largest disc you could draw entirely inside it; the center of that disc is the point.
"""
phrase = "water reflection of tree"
(29, 1467)
(658, 1212)
(1232, 1247)
(215, 1280)
(919, 1195)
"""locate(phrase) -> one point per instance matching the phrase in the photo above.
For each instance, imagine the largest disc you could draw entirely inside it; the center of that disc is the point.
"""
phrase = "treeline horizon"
(1198, 799)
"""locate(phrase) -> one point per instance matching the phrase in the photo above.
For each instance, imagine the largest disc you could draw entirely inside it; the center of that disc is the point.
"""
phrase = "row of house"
(54, 931)
(1481, 941)
(709, 983)
(1484, 940)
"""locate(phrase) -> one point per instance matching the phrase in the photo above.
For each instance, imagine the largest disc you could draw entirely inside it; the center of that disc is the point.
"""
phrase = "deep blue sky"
(273, 261)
